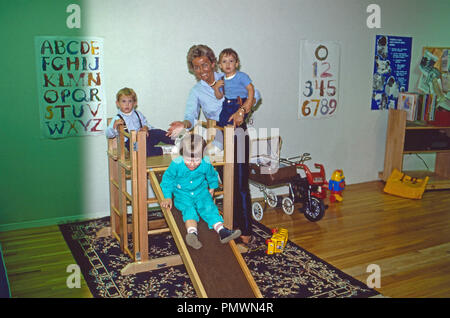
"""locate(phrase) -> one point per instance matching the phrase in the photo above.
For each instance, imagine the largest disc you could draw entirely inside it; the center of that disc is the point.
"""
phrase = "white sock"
(192, 229)
(218, 226)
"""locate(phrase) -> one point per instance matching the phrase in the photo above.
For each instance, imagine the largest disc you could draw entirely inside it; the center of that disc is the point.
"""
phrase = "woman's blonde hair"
(198, 51)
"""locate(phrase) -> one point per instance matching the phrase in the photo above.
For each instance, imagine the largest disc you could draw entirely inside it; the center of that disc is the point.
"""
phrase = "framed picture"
(407, 102)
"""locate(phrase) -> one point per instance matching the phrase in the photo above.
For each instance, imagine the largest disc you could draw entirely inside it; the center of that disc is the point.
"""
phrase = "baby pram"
(268, 171)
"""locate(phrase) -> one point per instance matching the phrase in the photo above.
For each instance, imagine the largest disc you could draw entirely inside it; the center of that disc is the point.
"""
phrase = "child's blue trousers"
(194, 206)
(154, 137)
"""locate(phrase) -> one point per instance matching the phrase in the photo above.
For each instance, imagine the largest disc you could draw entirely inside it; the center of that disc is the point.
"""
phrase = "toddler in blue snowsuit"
(188, 178)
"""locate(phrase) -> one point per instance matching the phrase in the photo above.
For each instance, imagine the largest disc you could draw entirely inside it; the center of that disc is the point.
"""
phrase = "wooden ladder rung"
(116, 211)
(128, 251)
(125, 166)
(127, 195)
(158, 231)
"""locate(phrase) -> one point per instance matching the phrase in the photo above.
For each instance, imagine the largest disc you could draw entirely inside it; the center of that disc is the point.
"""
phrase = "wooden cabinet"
(398, 130)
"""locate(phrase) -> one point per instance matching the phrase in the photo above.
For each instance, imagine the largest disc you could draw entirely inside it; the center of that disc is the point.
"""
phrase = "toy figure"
(336, 185)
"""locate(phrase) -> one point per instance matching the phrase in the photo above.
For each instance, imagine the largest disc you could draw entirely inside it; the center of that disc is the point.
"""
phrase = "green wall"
(40, 179)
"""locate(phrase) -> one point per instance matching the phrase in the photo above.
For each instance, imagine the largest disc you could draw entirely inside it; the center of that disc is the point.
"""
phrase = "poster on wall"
(319, 79)
(434, 69)
(71, 97)
(391, 70)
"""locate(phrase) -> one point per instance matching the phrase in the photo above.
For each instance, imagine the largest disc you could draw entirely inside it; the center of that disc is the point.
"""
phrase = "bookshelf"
(398, 128)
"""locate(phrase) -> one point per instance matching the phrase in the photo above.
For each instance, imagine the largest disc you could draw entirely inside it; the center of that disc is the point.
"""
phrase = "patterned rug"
(295, 273)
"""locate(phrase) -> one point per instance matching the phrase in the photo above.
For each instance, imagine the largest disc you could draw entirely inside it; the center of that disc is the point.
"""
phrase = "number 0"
(316, 53)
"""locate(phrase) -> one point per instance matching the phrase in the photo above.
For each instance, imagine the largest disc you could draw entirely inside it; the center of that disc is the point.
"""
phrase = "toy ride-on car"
(310, 195)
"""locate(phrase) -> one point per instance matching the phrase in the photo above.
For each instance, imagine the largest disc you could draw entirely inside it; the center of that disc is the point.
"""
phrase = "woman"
(202, 63)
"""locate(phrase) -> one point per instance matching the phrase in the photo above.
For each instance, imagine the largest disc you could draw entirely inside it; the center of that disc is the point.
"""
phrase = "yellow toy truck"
(277, 242)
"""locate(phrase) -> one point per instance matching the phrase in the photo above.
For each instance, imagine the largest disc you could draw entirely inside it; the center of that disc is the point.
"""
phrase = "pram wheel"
(315, 210)
(272, 199)
(257, 211)
(288, 205)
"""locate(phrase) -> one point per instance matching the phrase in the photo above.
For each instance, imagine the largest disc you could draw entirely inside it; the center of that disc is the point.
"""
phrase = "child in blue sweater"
(187, 179)
(236, 87)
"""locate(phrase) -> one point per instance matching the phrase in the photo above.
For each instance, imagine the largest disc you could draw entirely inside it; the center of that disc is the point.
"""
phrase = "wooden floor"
(36, 262)
(408, 239)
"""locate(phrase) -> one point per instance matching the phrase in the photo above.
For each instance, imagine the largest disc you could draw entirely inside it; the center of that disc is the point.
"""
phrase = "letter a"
(374, 279)
(73, 281)
(73, 20)
(374, 19)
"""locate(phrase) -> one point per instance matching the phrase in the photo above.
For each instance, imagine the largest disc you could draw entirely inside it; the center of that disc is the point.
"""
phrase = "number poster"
(319, 79)
(70, 92)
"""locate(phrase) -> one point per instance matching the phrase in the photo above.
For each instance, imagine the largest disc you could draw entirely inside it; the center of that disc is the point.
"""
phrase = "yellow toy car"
(277, 242)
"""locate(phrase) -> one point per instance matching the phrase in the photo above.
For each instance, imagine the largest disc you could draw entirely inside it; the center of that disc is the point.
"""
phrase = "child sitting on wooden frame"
(132, 119)
(188, 178)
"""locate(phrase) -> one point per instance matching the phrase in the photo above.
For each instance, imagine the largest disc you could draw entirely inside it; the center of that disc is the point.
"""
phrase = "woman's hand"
(175, 129)
(237, 118)
(166, 203)
(211, 191)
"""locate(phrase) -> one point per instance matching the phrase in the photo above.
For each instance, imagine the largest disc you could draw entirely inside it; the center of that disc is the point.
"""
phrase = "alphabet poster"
(391, 70)
(319, 79)
(70, 93)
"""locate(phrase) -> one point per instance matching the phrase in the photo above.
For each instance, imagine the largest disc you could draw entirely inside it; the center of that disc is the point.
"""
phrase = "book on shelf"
(421, 107)
(407, 102)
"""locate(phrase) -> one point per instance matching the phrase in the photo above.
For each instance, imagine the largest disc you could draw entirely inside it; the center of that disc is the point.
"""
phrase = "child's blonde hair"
(126, 92)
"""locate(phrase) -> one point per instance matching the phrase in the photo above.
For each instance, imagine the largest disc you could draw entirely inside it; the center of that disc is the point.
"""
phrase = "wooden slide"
(217, 270)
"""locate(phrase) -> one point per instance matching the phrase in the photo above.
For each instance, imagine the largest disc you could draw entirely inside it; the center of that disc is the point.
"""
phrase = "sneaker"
(192, 241)
(227, 235)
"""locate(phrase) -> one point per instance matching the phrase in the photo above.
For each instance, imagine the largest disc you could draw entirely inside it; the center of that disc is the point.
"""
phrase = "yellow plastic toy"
(277, 242)
(405, 186)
